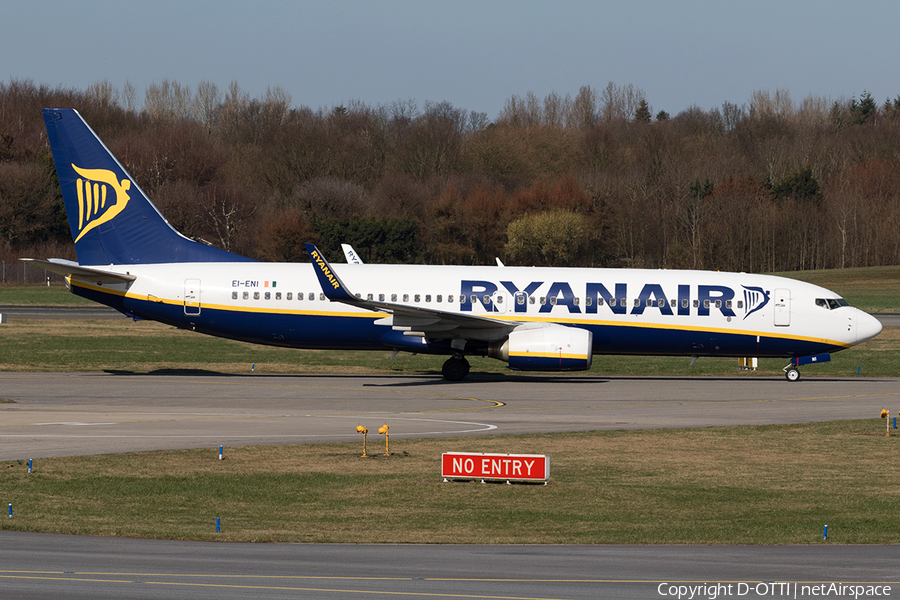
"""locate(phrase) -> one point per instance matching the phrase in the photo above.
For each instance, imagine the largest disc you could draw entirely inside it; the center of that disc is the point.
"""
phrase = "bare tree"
(102, 94)
(620, 103)
(583, 114)
(207, 104)
(168, 101)
(129, 96)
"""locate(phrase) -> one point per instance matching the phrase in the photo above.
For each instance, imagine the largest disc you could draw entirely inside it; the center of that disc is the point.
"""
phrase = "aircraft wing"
(67, 268)
(432, 323)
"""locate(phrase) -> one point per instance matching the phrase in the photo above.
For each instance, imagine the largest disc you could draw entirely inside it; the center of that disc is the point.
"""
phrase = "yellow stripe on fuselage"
(506, 318)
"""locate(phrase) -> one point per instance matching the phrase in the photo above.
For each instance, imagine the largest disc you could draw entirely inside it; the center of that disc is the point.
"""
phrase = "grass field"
(142, 347)
(872, 289)
(722, 485)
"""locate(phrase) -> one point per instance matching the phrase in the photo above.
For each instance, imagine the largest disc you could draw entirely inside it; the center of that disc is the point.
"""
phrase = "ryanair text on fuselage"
(651, 297)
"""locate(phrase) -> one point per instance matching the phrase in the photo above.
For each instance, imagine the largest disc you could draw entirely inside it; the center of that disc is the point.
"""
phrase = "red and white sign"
(504, 467)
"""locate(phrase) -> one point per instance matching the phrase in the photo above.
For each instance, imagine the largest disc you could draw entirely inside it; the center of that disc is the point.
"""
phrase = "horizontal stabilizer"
(67, 268)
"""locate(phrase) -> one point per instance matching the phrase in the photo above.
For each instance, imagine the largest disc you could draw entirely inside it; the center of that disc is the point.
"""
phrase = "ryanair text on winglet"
(325, 270)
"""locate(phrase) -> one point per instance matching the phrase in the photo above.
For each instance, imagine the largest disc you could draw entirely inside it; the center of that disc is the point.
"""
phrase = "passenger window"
(552, 300)
(381, 297)
(268, 295)
(256, 295)
(393, 297)
(740, 304)
(427, 297)
(674, 303)
(649, 302)
(543, 300)
(588, 301)
(576, 300)
(637, 301)
(290, 295)
(463, 299)
(500, 299)
(660, 303)
(530, 299)
(612, 301)
(439, 297)
(520, 299)
(623, 302)
(718, 304)
(450, 298)
(369, 297)
(684, 303)
(418, 297)
(299, 296)
(706, 304)
(322, 297)
(278, 295)
(358, 296)
(474, 298)
(234, 295)
(697, 303)
(728, 304)
(246, 295)
(486, 299)
(406, 297)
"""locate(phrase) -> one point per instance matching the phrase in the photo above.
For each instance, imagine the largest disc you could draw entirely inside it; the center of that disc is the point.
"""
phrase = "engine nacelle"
(546, 348)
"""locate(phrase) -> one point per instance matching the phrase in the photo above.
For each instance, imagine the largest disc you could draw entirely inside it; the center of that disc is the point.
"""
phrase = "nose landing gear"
(791, 373)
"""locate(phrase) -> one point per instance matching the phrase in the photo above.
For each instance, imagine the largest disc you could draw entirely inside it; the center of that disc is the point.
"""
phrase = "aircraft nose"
(867, 327)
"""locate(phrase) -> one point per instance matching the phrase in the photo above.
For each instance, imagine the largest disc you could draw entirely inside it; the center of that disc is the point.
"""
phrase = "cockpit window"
(831, 303)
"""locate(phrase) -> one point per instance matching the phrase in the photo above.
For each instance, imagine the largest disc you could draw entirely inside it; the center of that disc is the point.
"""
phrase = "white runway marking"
(475, 428)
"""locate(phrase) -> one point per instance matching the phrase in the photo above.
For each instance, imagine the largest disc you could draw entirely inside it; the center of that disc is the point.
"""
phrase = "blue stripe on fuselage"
(341, 332)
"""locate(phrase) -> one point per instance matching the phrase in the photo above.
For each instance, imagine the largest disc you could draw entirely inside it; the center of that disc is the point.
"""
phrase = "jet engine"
(545, 348)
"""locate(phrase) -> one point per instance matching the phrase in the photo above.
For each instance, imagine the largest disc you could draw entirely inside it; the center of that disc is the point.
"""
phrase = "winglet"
(351, 255)
(332, 286)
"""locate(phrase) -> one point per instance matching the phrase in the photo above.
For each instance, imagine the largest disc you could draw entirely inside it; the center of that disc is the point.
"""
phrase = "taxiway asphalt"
(54, 566)
(63, 414)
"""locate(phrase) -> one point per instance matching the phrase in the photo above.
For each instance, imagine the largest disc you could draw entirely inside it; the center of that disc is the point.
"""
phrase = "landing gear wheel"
(791, 374)
(455, 369)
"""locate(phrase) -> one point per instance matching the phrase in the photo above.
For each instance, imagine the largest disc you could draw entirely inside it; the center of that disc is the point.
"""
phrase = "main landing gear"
(455, 368)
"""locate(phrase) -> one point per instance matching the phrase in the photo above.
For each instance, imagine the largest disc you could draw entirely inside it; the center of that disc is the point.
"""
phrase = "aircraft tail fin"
(111, 219)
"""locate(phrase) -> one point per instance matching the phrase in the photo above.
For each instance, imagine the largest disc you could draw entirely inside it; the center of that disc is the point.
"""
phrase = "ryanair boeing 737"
(535, 319)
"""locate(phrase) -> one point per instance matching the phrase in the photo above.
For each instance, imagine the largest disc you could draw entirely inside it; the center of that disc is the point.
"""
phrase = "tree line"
(599, 179)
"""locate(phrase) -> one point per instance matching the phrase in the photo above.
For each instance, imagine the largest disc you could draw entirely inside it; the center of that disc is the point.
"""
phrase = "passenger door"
(192, 296)
(782, 307)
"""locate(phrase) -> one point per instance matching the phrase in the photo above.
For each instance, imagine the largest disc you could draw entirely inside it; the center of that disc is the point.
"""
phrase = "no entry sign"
(504, 467)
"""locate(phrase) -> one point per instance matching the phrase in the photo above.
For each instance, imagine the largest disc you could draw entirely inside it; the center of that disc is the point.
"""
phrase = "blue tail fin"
(112, 220)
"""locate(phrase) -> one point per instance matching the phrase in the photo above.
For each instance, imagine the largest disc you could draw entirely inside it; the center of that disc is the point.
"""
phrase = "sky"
(472, 54)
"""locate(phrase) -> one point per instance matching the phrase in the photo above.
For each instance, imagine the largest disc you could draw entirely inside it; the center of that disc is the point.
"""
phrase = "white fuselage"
(630, 311)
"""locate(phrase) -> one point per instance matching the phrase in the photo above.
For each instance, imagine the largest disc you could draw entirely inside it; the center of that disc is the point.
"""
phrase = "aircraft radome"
(534, 318)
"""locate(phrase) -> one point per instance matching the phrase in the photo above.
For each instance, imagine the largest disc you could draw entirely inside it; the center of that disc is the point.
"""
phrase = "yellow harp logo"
(93, 190)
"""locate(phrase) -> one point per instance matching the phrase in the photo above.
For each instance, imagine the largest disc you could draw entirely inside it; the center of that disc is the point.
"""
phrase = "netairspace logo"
(712, 591)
